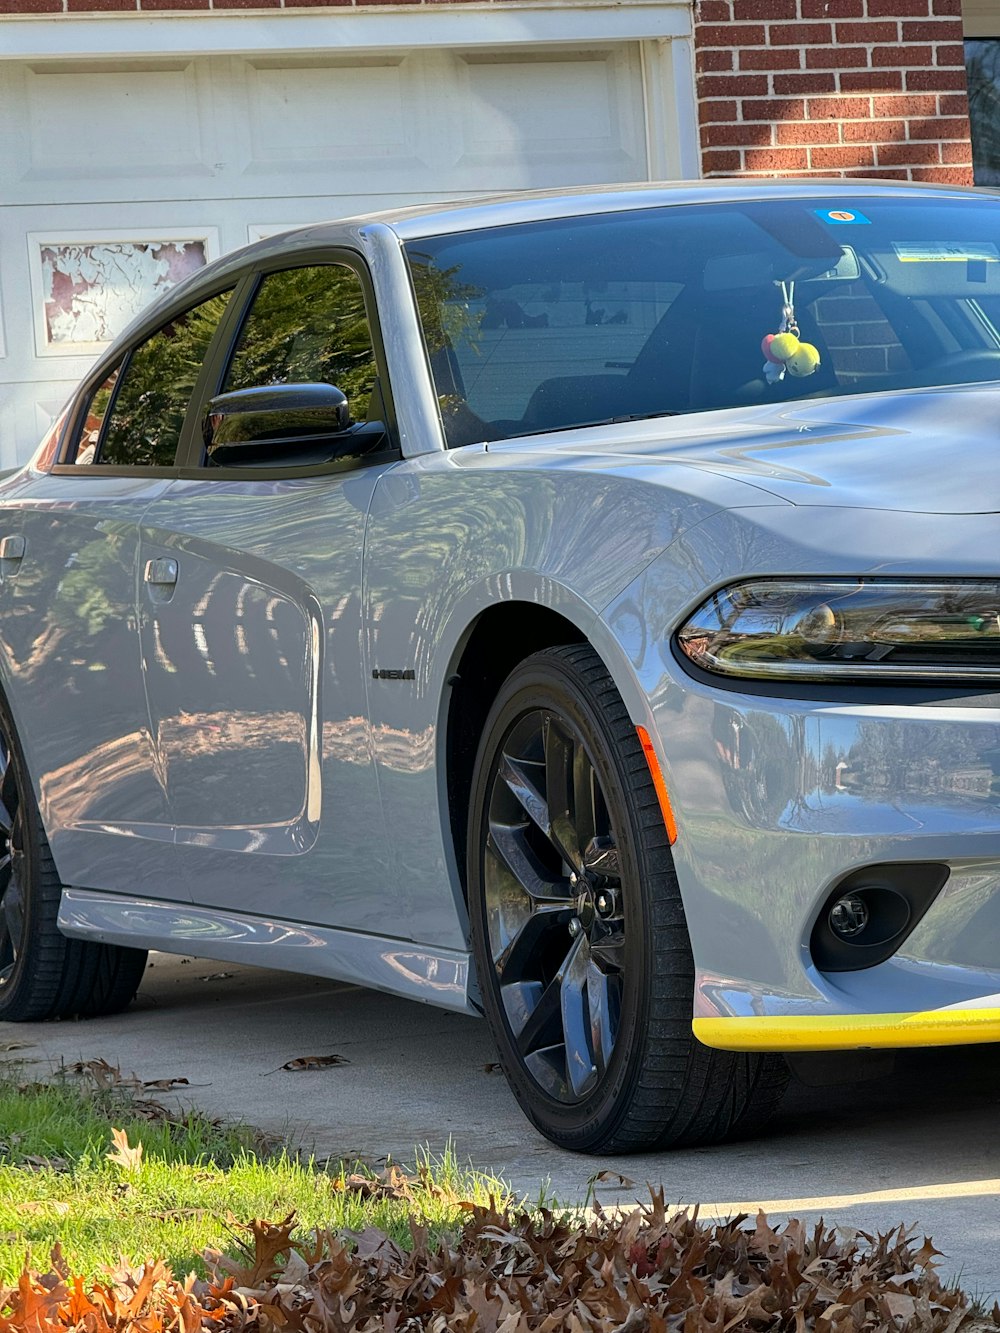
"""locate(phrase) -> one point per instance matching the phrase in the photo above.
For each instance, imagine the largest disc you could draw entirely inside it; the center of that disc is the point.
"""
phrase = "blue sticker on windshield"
(843, 217)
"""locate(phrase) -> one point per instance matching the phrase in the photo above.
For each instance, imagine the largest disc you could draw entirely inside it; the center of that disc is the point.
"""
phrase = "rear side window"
(135, 416)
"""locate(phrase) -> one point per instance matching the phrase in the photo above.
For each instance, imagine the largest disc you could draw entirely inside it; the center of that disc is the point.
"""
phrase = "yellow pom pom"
(784, 346)
(804, 361)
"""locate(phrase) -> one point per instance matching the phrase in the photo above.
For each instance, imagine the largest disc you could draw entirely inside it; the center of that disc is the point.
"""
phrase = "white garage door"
(120, 177)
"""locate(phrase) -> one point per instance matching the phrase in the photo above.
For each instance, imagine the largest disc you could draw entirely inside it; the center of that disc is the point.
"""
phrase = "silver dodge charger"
(581, 609)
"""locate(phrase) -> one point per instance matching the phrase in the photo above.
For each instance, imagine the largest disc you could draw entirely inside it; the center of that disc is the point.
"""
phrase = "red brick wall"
(833, 88)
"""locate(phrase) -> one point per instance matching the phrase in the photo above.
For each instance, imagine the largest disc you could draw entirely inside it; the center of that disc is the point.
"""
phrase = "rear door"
(70, 628)
(251, 630)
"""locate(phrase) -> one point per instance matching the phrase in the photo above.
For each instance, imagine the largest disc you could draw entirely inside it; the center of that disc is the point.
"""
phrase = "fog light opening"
(869, 914)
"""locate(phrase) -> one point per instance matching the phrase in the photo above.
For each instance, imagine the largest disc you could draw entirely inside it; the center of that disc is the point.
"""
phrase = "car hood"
(916, 451)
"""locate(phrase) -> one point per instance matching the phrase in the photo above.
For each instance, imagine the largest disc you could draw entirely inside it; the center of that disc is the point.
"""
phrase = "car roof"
(496, 210)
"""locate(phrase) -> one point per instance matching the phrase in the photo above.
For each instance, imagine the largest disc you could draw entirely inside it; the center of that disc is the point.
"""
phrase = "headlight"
(809, 629)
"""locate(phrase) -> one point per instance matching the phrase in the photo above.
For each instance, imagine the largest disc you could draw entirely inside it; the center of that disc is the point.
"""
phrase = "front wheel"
(42, 973)
(578, 930)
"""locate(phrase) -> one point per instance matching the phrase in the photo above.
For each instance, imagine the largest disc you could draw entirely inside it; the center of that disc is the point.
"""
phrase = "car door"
(70, 631)
(251, 630)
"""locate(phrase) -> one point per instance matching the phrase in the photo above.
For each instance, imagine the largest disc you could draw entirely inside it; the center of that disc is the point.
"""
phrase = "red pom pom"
(765, 347)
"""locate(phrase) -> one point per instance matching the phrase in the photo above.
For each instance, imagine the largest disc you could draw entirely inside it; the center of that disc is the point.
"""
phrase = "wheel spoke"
(575, 1008)
(608, 950)
(8, 789)
(12, 913)
(543, 1027)
(515, 774)
(507, 841)
(517, 956)
(603, 1016)
(557, 828)
(559, 790)
(585, 799)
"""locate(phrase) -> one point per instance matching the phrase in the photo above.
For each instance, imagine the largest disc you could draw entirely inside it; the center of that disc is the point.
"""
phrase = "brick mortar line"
(767, 45)
(852, 120)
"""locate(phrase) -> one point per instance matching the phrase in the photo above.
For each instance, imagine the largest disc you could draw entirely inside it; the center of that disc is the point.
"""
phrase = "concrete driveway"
(921, 1147)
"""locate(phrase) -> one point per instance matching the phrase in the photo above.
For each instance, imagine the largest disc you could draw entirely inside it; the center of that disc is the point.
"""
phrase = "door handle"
(162, 571)
(11, 554)
(12, 548)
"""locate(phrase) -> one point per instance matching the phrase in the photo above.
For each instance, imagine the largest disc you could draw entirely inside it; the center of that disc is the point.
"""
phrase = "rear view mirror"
(284, 425)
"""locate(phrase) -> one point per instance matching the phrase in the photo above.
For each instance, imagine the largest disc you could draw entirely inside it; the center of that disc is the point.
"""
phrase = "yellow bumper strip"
(849, 1032)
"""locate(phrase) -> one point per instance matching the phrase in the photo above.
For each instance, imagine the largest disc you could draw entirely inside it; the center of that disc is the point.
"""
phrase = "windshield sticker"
(953, 252)
(843, 217)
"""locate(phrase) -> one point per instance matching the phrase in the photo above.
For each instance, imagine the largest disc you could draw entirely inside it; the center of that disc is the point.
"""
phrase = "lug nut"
(574, 926)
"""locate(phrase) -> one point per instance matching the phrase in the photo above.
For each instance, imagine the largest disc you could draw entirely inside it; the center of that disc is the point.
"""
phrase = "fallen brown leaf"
(612, 1178)
(306, 1062)
(122, 1153)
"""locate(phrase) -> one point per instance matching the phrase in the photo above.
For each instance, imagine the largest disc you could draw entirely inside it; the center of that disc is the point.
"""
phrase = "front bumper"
(776, 801)
(777, 798)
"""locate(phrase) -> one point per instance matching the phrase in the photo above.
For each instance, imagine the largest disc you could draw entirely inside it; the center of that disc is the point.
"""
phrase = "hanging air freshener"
(784, 350)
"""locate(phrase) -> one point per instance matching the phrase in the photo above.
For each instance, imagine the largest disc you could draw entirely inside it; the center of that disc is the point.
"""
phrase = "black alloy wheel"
(555, 916)
(43, 974)
(12, 869)
(578, 932)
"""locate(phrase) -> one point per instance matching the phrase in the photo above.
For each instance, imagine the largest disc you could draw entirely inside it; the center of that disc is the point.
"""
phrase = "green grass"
(196, 1180)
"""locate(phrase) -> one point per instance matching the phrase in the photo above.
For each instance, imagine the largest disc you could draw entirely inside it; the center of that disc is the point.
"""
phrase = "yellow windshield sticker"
(948, 252)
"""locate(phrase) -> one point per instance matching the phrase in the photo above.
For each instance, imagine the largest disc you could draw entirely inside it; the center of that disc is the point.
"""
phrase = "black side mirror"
(285, 425)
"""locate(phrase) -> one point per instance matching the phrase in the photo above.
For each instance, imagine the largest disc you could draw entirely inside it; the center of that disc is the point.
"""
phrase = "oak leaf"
(122, 1153)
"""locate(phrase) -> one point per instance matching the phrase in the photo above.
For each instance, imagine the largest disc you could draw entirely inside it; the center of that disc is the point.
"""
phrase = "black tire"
(42, 973)
(592, 1021)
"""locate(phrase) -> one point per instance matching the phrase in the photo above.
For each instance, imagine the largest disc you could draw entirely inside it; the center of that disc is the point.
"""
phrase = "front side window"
(548, 325)
(135, 416)
(307, 326)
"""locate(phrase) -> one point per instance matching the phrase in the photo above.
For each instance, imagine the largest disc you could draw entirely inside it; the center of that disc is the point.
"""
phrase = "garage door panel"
(323, 117)
(105, 123)
(583, 109)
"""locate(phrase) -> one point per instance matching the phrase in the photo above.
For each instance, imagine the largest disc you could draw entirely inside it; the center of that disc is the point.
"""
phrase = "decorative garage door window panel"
(91, 289)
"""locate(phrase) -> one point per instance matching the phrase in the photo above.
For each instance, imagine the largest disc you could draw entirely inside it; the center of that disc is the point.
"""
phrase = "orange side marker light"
(661, 787)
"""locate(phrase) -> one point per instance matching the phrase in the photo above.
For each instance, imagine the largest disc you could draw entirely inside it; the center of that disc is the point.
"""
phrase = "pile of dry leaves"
(513, 1274)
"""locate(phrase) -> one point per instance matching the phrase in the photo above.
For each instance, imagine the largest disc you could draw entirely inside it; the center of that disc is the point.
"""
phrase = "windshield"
(686, 308)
